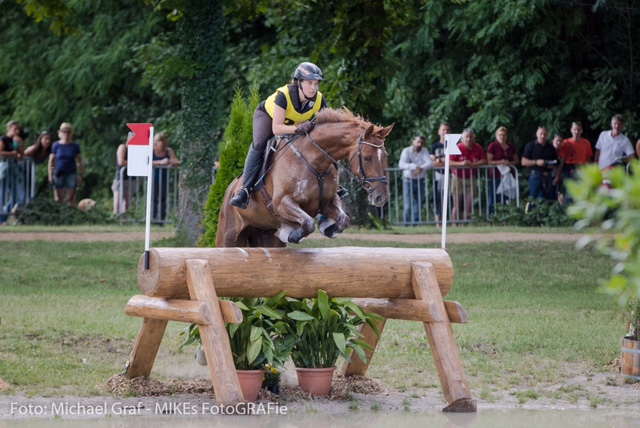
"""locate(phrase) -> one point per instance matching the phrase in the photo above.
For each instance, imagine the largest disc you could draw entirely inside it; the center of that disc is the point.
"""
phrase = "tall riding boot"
(251, 170)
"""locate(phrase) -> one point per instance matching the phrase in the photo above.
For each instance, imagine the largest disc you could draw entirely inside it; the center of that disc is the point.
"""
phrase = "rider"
(287, 111)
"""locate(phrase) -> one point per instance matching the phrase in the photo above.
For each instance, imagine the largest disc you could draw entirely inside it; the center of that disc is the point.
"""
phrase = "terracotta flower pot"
(250, 383)
(315, 381)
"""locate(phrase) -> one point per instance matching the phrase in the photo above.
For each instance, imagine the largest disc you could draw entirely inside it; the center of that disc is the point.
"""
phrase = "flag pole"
(147, 238)
(445, 197)
(450, 148)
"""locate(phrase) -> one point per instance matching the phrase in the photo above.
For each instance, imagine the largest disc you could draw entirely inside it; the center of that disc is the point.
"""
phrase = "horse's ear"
(369, 131)
(385, 131)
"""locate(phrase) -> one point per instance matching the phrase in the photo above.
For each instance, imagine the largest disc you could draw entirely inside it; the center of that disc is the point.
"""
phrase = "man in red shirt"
(573, 152)
(464, 181)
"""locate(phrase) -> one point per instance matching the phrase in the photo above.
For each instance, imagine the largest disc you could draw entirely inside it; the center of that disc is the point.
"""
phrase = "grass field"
(535, 318)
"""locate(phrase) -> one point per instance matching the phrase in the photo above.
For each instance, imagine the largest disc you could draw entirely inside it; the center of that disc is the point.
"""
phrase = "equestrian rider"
(287, 111)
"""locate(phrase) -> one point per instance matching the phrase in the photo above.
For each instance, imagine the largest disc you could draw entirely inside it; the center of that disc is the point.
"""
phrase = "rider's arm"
(278, 127)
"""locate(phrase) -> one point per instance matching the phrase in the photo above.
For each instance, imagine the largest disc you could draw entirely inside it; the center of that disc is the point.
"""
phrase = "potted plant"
(257, 342)
(615, 208)
(324, 329)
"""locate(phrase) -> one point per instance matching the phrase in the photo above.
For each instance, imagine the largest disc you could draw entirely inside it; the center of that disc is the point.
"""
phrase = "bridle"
(365, 183)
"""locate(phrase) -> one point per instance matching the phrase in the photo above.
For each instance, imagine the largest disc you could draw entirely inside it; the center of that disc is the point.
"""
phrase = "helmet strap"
(302, 90)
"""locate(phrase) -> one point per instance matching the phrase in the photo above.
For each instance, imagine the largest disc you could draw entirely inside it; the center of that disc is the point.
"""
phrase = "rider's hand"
(304, 128)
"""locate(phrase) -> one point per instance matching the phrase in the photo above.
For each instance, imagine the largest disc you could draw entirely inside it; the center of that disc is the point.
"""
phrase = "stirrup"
(241, 198)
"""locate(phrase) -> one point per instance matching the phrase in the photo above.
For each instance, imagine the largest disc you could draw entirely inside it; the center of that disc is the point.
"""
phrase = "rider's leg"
(262, 132)
(251, 171)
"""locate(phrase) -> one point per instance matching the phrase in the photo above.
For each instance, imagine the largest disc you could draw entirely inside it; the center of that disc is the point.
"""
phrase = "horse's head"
(369, 163)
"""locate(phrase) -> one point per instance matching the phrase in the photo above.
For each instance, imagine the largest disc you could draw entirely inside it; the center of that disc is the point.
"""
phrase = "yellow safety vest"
(292, 117)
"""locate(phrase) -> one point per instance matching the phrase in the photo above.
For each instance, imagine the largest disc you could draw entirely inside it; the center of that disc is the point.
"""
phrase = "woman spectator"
(65, 165)
(163, 156)
(500, 152)
(121, 181)
(41, 150)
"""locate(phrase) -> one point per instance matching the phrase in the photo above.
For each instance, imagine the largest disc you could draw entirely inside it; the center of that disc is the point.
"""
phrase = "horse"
(301, 181)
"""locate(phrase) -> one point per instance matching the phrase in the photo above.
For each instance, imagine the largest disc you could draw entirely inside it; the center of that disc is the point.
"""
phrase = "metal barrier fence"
(419, 202)
(130, 196)
(17, 185)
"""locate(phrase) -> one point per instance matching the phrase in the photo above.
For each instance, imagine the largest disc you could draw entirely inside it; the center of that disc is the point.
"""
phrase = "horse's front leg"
(335, 220)
(289, 210)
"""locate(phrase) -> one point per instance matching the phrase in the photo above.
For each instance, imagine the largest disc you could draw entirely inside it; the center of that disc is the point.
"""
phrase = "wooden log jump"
(184, 284)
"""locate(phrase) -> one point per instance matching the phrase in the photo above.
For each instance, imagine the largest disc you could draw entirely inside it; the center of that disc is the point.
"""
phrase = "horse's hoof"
(296, 236)
(328, 227)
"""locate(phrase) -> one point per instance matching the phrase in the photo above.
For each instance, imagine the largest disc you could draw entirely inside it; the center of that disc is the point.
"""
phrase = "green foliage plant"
(325, 329)
(235, 145)
(259, 340)
(616, 211)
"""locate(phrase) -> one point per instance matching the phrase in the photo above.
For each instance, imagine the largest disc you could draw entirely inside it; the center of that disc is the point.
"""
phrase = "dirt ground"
(604, 396)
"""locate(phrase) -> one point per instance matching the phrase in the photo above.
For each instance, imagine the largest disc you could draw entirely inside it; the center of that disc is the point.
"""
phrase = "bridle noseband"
(366, 182)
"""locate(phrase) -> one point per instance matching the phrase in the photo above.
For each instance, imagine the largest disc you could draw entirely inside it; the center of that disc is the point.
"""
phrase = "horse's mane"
(329, 115)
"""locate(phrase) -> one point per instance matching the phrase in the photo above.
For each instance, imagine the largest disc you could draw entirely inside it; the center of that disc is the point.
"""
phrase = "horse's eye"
(367, 158)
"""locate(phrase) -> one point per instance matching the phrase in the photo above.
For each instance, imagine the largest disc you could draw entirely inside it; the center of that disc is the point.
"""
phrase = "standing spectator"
(437, 156)
(163, 156)
(542, 158)
(556, 175)
(613, 147)
(41, 150)
(121, 181)
(463, 180)
(573, 153)
(11, 180)
(414, 162)
(66, 169)
(500, 152)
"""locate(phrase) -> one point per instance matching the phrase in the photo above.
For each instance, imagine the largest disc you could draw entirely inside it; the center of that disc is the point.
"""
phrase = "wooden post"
(146, 348)
(443, 346)
(215, 339)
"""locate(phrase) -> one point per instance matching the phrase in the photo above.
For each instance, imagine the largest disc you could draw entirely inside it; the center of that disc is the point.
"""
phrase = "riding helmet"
(307, 71)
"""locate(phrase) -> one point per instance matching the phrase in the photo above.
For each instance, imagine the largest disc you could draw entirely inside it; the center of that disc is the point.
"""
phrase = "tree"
(200, 34)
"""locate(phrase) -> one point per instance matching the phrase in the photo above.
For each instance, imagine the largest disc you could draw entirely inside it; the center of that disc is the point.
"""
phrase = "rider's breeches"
(262, 130)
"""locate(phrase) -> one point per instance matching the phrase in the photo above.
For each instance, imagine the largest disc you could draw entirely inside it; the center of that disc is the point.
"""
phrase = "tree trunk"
(202, 53)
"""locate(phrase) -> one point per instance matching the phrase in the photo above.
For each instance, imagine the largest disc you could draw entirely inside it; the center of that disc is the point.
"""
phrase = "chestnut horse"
(302, 180)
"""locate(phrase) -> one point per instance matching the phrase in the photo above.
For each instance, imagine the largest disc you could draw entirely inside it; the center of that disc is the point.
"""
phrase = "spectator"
(414, 162)
(163, 156)
(613, 147)
(556, 175)
(11, 180)
(500, 153)
(463, 180)
(41, 150)
(121, 181)
(66, 169)
(542, 158)
(638, 149)
(573, 153)
(437, 156)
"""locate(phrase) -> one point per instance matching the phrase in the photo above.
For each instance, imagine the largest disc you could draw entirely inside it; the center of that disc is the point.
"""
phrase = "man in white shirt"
(414, 162)
(613, 147)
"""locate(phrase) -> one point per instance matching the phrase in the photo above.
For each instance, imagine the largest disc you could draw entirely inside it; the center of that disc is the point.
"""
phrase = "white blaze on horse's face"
(380, 155)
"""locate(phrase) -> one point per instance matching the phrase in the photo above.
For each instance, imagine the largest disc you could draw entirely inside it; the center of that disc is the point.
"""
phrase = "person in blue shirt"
(66, 169)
